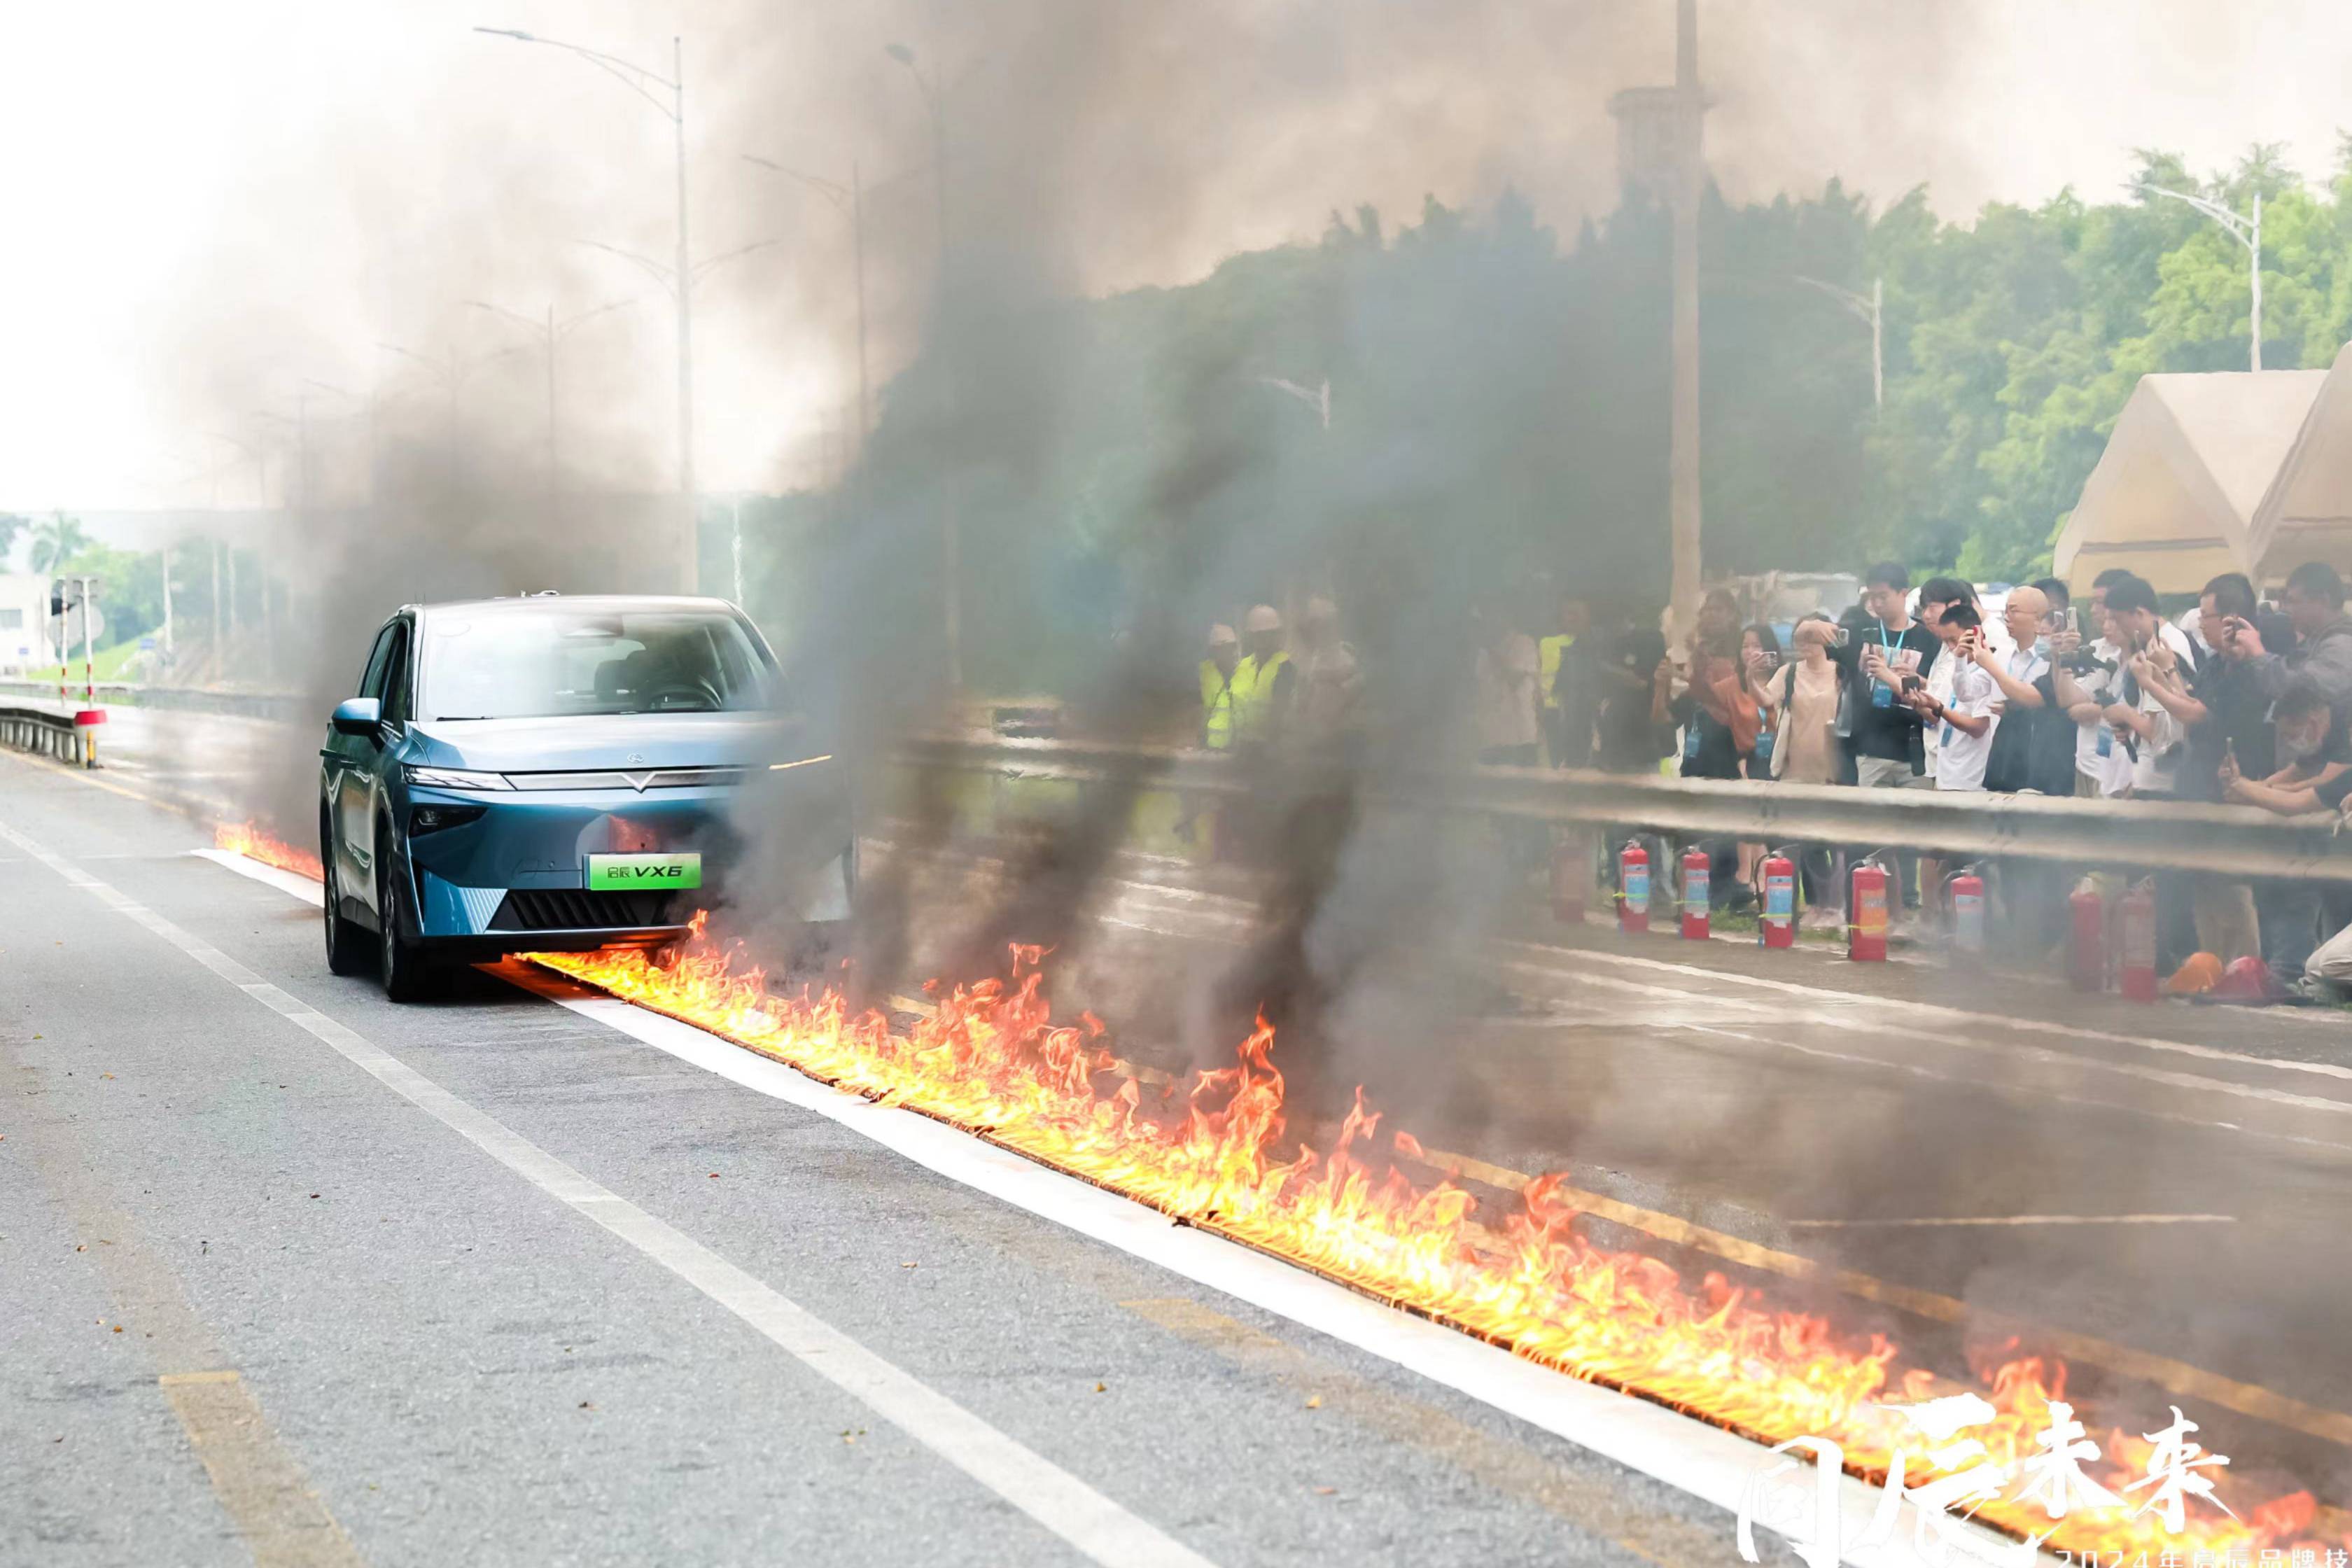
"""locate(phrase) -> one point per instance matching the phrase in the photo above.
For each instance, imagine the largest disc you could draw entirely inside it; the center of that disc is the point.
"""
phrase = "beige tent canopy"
(2307, 515)
(2191, 458)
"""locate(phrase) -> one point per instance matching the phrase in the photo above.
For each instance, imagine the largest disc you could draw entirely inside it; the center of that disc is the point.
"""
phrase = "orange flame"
(255, 842)
(989, 1059)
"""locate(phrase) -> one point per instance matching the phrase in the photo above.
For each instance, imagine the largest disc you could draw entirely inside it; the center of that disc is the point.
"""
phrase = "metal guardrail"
(281, 706)
(2233, 840)
(37, 730)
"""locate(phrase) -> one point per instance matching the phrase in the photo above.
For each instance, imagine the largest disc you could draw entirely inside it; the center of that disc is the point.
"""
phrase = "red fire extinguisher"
(1572, 868)
(1695, 895)
(1865, 932)
(1778, 926)
(2135, 973)
(1633, 888)
(1968, 904)
(2087, 964)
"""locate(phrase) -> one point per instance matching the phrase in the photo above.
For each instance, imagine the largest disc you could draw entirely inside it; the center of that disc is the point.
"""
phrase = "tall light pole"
(1319, 398)
(951, 526)
(2246, 231)
(642, 82)
(551, 332)
(852, 201)
(1689, 187)
(1870, 309)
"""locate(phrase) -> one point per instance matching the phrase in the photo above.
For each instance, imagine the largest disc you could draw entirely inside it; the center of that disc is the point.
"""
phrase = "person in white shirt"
(1964, 722)
(1934, 595)
(2151, 646)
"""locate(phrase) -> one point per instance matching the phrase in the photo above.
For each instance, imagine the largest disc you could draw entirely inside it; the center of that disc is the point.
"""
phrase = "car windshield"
(561, 660)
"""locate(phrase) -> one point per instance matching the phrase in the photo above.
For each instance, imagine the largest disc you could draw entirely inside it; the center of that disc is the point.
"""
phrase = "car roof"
(608, 602)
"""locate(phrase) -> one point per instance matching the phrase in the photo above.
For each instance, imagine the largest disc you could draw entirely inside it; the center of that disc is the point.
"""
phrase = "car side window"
(372, 679)
(396, 678)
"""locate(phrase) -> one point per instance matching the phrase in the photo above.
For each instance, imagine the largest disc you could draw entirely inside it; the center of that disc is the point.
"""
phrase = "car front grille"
(640, 780)
(578, 908)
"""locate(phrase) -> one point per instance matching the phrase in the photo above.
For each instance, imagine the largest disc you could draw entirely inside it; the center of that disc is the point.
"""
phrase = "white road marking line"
(1685, 1453)
(1052, 1497)
(1918, 1010)
(1689, 1455)
(1551, 971)
(294, 882)
(2014, 1219)
(2041, 1056)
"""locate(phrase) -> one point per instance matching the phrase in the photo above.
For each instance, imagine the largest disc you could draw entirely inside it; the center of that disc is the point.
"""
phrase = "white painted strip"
(1684, 1453)
(2014, 1219)
(294, 882)
(1057, 1500)
(1912, 1012)
(1701, 1460)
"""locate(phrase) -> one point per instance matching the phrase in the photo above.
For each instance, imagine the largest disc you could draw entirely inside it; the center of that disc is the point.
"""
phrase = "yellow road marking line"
(2174, 1376)
(2164, 1372)
(83, 774)
(259, 1484)
(1936, 1221)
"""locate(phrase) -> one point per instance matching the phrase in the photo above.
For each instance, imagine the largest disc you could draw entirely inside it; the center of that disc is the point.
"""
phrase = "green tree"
(56, 539)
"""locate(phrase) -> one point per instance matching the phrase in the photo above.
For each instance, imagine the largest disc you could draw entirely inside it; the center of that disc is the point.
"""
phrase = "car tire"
(346, 939)
(407, 975)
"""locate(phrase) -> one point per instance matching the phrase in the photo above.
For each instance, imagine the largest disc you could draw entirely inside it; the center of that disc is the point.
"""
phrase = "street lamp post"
(640, 80)
(852, 201)
(1319, 398)
(951, 526)
(549, 333)
(2247, 232)
(1870, 309)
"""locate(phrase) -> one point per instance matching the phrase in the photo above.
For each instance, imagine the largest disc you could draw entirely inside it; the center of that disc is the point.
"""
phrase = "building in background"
(24, 622)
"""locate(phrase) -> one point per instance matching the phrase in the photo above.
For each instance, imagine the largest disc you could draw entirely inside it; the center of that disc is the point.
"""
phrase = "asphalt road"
(268, 1299)
(2153, 1193)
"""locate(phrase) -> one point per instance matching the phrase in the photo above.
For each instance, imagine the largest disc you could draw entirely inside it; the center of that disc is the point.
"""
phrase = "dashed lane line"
(1089, 1521)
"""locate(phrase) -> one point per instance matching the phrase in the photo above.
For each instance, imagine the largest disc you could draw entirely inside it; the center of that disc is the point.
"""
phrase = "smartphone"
(1840, 634)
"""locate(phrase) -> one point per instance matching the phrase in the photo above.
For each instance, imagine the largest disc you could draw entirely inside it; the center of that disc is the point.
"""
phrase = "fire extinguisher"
(1968, 905)
(1865, 932)
(1633, 888)
(1778, 926)
(1572, 868)
(2137, 971)
(1695, 895)
(2087, 967)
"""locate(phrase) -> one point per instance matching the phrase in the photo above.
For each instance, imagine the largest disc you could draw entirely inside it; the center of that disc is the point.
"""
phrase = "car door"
(363, 806)
(345, 760)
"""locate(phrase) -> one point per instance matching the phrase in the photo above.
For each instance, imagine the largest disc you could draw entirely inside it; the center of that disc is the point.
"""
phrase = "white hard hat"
(1263, 618)
(1221, 636)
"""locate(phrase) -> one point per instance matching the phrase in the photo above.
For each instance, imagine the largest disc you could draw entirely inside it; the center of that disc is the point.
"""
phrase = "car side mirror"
(361, 716)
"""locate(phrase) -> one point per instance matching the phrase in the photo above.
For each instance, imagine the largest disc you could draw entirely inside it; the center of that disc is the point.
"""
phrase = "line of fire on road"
(987, 1060)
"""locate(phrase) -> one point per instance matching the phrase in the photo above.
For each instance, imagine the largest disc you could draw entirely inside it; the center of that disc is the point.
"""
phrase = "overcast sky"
(209, 207)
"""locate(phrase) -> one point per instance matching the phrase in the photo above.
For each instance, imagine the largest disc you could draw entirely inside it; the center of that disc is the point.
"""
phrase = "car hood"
(614, 741)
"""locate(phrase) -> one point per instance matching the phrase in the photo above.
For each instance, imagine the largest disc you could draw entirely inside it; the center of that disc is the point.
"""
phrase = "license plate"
(630, 873)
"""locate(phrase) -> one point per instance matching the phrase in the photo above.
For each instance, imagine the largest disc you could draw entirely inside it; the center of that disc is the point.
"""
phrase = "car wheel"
(406, 975)
(346, 941)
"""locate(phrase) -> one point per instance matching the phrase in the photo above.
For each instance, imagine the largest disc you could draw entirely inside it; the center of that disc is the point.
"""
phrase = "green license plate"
(629, 873)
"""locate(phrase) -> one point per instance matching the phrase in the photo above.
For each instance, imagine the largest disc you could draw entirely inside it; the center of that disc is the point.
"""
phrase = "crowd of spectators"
(1936, 689)
(2234, 702)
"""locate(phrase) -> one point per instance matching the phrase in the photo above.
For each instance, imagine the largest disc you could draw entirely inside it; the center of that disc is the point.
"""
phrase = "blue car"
(558, 773)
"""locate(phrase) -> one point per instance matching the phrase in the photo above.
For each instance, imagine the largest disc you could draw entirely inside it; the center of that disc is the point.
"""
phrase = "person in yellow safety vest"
(1567, 749)
(1262, 679)
(1217, 673)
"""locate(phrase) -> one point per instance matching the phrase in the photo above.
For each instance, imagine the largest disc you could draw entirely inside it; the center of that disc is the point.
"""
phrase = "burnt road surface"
(294, 1276)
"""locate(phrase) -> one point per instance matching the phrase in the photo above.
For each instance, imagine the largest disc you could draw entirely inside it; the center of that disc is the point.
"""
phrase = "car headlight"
(453, 778)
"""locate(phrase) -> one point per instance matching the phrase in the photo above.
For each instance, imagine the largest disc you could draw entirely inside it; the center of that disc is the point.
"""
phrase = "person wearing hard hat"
(1263, 678)
(1217, 673)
